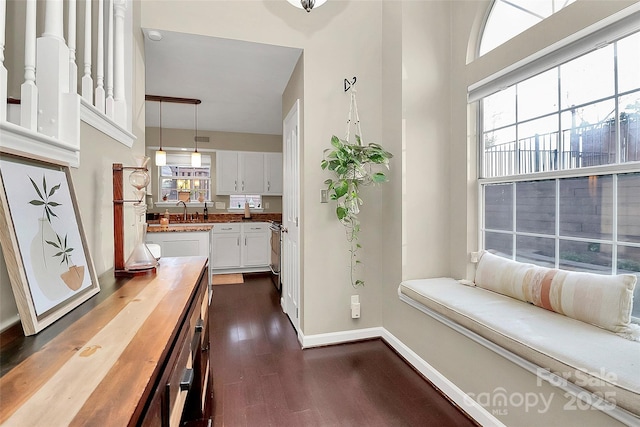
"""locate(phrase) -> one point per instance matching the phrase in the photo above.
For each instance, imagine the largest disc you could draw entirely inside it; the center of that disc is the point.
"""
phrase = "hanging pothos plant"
(354, 167)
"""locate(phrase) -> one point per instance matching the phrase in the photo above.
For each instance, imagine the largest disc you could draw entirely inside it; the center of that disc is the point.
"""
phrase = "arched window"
(508, 18)
(560, 155)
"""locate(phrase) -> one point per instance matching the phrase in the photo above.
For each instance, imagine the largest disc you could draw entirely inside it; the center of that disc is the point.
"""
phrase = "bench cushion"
(590, 357)
(602, 300)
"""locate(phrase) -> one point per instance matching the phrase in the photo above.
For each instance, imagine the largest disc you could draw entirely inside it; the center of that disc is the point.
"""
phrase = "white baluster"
(3, 70)
(71, 41)
(120, 113)
(53, 56)
(109, 102)
(100, 95)
(29, 90)
(53, 19)
(87, 81)
(58, 108)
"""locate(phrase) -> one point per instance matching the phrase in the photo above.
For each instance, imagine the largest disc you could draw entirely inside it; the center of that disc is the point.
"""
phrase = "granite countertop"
(184, 228)
(177, 218)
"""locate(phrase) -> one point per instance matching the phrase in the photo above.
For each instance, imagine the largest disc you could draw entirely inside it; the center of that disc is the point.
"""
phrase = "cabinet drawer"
(258, 227)
(226, 228)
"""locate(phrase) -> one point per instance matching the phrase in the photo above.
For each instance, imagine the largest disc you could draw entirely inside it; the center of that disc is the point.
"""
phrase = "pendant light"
(196, 158)
(161, 155)
(307, 4)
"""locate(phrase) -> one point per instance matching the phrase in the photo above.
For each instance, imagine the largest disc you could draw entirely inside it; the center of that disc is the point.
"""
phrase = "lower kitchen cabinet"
(226, 246)
(241, 247)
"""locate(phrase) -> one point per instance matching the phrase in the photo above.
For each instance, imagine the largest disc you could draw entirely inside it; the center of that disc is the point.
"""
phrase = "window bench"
(583, 357)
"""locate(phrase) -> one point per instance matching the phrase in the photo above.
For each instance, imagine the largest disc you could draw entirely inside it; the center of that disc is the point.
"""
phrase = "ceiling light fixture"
(196, 158)
(161, 155)
(307, 4)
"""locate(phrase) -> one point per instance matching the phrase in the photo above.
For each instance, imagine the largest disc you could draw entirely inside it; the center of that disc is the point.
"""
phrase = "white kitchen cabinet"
(241, 247)
(226, 245)
(183, 243)
(173, 244)
(273, 174)
(239, 172)
(256, 249)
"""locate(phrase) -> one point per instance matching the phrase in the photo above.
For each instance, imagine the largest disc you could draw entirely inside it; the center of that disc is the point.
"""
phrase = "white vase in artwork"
(46, 268)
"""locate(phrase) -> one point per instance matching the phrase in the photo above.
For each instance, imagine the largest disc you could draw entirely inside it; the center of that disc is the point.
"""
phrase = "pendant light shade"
(161, 155)
(307, 4)
(196, 158)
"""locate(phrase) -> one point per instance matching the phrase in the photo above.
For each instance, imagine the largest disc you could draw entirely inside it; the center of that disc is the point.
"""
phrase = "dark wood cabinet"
(138, 355)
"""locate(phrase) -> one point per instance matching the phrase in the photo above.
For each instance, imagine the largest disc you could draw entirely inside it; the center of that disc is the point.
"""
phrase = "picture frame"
(43, 241)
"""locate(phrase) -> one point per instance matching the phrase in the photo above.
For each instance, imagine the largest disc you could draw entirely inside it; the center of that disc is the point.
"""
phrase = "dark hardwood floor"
(262, 377)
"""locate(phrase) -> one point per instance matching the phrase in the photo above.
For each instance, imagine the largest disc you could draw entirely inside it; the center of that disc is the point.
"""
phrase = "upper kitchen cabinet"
(246, 172)
(273, 174)
(239, 172)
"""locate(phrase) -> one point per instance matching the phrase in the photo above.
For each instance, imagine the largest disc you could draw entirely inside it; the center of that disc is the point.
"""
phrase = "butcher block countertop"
(99, 364)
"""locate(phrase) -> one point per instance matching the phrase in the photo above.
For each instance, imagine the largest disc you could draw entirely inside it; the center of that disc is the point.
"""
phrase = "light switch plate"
(324, 197)
(220, 205)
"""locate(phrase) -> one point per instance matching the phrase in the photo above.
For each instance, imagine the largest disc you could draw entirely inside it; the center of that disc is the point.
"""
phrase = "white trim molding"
(91, 116)
(22, 139)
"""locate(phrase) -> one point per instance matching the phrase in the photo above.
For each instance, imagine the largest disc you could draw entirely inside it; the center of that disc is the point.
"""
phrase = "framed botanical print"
(43, 241)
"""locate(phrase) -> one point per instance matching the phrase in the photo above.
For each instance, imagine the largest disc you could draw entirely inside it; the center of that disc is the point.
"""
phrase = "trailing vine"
(352, 166)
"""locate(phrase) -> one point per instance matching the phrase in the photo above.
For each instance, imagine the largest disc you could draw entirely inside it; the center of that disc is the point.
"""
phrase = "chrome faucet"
(184, 215)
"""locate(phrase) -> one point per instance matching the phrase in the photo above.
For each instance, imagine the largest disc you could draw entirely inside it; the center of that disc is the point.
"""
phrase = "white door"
(290, 269)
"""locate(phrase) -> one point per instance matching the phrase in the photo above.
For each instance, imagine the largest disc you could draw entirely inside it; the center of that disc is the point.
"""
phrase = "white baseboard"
(473, 409)
(470, 406)
(332, 338)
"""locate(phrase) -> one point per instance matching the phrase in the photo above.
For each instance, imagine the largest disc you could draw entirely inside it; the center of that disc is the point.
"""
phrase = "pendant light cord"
(160, 125)
(196, 138)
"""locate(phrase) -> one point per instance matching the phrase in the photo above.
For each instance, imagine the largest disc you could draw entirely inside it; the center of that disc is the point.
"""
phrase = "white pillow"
(502, 275)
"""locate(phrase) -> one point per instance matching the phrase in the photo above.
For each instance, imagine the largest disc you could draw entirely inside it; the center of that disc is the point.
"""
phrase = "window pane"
(630, 126)
(499, 152)
(586, 207)
(538, 145)
(629, 208)
(589, 135)
(629, 63)
(499, 243)
(538, 95)
(498, 207)
(585, 256)
(536, 250)
(499, 109)
(507, 19)
(629, 263)
(536, 207)
(587, 78)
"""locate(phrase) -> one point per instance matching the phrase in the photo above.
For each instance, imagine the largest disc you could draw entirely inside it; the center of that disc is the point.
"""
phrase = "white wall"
(340, 40)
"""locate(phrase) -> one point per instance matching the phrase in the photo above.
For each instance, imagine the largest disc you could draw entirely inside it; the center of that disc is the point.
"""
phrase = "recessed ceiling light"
(154, 35)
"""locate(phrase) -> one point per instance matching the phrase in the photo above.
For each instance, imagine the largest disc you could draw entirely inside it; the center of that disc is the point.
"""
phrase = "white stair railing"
(50, 105)
(29, 90)
(3, 70)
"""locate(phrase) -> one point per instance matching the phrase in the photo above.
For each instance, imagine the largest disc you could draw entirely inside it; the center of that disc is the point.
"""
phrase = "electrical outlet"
(355, 306)
(266, 205)
(474, 257)
(324, 196)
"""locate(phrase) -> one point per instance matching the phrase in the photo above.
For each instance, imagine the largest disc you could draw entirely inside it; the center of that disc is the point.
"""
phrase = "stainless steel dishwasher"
(276, 254)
